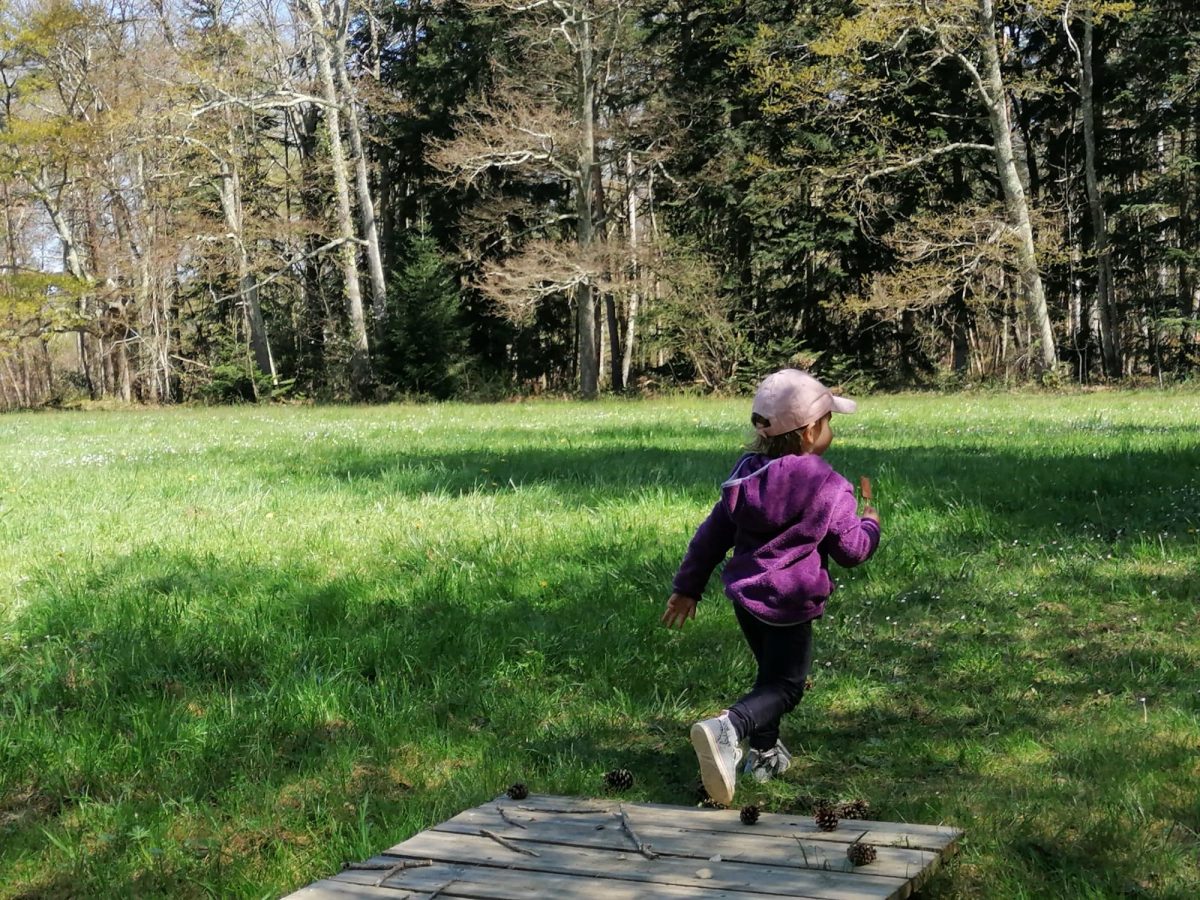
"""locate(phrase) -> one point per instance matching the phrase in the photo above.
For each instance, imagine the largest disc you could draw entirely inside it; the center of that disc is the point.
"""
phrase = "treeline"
(242, 199)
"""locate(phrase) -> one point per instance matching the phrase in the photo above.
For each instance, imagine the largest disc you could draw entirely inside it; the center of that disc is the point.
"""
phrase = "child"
(785, 512)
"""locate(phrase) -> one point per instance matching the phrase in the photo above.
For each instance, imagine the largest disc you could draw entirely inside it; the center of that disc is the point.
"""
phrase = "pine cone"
(618, 780)
(710, 803)
(750, 814)
(826, 818)
(812, 804)
(517, 791)
(854, 809)
(860, 854)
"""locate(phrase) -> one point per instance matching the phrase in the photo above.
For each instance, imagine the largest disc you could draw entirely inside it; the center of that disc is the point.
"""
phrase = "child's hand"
(679, 610)
(864, 487)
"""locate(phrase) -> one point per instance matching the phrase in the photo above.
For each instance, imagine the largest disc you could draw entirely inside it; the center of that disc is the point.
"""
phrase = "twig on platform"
(507, 843)
(393, 869)
(438, 890)
(643, 848)
(507, 818)
(380, 867)
(580, 811)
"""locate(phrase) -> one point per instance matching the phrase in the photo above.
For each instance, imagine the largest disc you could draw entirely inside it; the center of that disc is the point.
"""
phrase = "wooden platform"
(566, 847)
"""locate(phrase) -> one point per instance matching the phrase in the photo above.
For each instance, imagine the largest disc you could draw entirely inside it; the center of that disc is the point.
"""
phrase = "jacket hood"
(764, 495)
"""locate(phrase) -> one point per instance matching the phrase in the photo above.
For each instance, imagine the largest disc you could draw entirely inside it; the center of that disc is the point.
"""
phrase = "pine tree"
(424, 351)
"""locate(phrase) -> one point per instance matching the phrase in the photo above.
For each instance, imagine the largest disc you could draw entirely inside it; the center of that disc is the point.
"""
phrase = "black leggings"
(784, 655)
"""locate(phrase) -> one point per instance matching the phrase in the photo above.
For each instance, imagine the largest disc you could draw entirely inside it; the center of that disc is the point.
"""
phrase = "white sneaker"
(767, 764)
(716, 744)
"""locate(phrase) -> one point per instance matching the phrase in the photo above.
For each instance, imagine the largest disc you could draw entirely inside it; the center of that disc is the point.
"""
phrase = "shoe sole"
(710, 770)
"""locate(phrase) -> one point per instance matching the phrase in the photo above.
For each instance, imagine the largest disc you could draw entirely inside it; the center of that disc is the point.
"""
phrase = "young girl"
(786, 513)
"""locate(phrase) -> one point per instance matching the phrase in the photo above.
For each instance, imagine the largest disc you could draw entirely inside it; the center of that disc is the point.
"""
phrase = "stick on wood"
(643, 848)
(581, 811)
(379, 867)
(507, 818)
(503, 842)
(436, 892)
(400, 867)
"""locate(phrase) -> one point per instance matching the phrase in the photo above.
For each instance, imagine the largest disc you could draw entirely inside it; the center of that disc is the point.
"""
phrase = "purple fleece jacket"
(785, 519)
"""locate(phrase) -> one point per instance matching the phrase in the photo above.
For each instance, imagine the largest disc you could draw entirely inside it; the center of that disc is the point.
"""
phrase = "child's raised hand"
(679, 609)
(864, 487)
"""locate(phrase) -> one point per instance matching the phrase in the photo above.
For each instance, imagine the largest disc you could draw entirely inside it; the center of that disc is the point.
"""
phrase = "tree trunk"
(387, 210)
(1028, 155)
(9, 401)
(586, 330)
(26, 380)
(122, 377)
(995, 102)
(634, 299)
(314, 310)
(362, 181)
(22, 401)
(960, 337)
(1188, 282)
(614, 342)
(230, 190)
(1109, 341)
(360, 359)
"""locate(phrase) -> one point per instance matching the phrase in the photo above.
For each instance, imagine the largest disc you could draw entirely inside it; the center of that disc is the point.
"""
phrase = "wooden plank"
(628, 865)
(547, 802)
(939, 838)
(508, 884)
(748, 845)
(333, 889)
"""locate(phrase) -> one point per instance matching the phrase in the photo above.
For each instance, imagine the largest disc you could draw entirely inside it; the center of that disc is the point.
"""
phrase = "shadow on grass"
(1026, 494)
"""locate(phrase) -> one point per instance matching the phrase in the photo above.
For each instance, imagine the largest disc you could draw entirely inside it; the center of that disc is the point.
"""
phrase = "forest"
(364, 200)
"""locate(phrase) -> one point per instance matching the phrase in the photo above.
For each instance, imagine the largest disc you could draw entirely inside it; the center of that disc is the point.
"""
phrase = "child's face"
(817, 437)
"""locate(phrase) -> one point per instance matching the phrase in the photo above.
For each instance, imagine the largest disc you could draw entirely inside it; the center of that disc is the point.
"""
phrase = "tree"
(424, 348)
(542, 123)
(1085, 57)
(967, 34)
(354, 131)
(324, 33)
(218, 69)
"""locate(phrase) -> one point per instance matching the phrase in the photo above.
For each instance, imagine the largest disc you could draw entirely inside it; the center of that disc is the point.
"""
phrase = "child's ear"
(808, 435)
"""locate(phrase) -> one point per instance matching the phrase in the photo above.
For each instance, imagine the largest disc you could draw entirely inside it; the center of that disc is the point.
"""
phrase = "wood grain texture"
(547, 846)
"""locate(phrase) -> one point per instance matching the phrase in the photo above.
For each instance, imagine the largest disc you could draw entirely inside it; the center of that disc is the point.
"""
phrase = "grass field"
(238, 646)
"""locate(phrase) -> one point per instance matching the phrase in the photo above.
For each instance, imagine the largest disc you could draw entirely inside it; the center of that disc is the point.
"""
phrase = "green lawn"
(238, 646)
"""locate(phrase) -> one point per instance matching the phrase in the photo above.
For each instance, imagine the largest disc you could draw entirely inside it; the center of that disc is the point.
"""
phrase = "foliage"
(833, 165)
(696, 320)
(232, 378)
(37, 304)
(424, 348)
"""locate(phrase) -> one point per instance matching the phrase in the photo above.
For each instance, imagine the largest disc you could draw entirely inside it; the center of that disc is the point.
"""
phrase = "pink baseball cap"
(790, 399)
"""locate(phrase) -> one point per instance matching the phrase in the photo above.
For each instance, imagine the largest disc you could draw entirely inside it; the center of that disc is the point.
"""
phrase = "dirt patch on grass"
(368, 778)
(27, 804)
